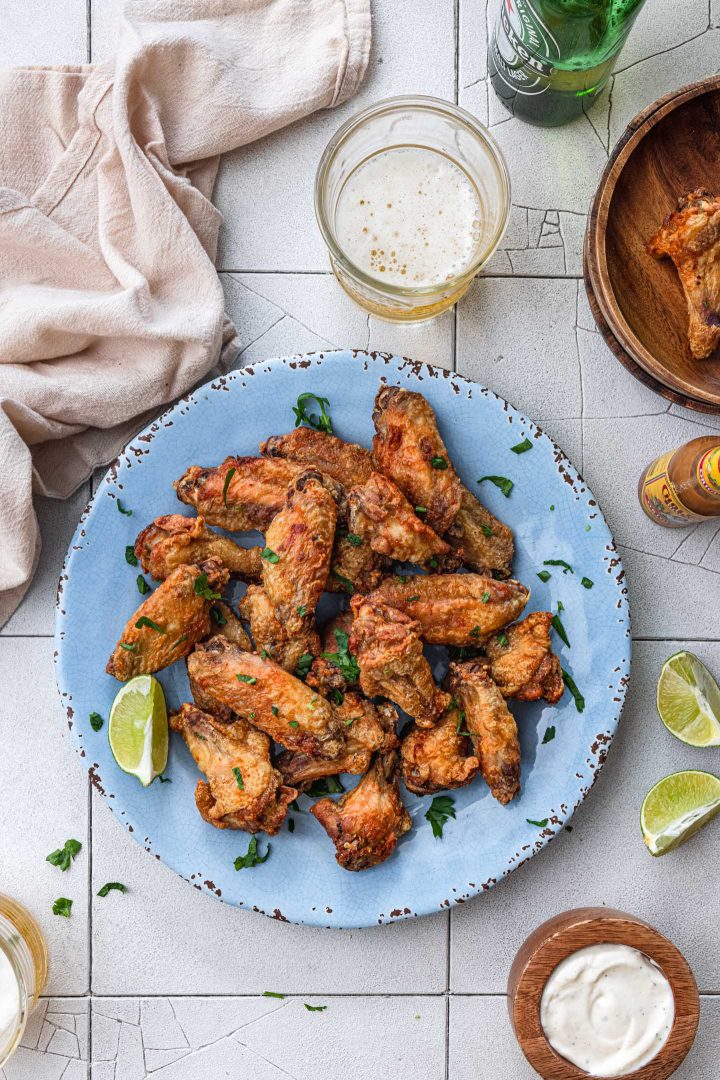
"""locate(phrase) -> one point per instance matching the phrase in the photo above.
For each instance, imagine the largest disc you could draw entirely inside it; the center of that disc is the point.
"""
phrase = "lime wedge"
(138, 729)
(677, 807)
(688, 700)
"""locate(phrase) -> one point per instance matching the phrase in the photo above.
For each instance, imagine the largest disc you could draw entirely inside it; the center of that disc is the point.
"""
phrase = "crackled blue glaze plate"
(554, 516)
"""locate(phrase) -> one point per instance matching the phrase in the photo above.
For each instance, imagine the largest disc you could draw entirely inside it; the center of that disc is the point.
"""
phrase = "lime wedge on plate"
(677, 807)
(138, 729)
(688, 700)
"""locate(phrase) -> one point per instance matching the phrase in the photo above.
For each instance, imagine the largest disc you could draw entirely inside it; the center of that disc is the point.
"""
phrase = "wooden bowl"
(555, 940)
(668, 150)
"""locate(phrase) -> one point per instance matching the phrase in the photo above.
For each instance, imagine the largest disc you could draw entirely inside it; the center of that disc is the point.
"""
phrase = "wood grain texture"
(564, 934)
(668, 150)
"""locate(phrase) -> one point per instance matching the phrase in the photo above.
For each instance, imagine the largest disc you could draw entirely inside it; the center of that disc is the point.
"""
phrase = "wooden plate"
(564, 934)
(668, 150)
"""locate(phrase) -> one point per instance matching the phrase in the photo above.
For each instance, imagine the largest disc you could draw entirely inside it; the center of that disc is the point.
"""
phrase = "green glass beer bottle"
(549, 59)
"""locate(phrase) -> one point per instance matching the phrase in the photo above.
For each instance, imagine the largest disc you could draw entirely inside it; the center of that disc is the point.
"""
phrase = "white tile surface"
(526, 330)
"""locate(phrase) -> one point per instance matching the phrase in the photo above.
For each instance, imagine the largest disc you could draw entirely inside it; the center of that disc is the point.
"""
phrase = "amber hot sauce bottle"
(683, 486)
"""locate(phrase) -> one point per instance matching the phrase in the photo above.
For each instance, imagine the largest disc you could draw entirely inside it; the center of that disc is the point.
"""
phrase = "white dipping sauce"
(9, 1001)
(410, 216)
(608, 1009)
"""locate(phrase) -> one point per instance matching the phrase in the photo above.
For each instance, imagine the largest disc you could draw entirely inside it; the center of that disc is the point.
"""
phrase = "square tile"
(38, 32)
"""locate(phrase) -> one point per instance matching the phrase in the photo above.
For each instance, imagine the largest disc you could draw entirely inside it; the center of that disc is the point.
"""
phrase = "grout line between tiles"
(298, 995)
(88, 36)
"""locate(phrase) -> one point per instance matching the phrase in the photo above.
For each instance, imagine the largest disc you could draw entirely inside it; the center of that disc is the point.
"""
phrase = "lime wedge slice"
(688, 700)
(138, 729)
(677, 807)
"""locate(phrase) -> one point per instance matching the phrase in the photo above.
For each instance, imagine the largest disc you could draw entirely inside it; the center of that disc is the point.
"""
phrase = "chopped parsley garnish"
(352, 720)
(319, 423)
(354, 539)
(291, 825)
(130, 556)
(293, 723)
(64, 856)
(336, 696)
(343, 659)
(144, 621)
(487, 531)
(503, 640)
(314, 1008)
(485, 597)
(128, 646)
(251, 716)
(203, 589)
(412, 599)
(464, 652)
(301, 610)
(588, 528)
(127, 513)
(304, 664)
(461, 721)
(249, 679)
(558, 626)
(142, 585)
(433, 563)
(441, 808)
(552, 506)
(586, 583)
(264, 654)
(438, 462)
(421, 509)
(501, 482)
(402, 579)
(540, 824)
(544, 575)
(251, 857)
(295, 805)
(217, 615)
(228, 477)
(579, 699)
(271, 993)
(179, 641)
(238, 778)
(96, 721)
(475, 632)
(559, 562)
(346, 582)
(62, 907)
(269, 555)
(522, 447)
(329, 785)
(549, 735)
(274, 710)
(110, 885)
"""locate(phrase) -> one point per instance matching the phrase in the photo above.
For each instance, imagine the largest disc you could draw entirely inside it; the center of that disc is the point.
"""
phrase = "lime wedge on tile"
(688, 700)
(677, 807)
(138, 729)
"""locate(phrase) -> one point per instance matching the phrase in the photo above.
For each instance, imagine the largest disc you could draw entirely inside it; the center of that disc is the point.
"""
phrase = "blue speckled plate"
(301, 881)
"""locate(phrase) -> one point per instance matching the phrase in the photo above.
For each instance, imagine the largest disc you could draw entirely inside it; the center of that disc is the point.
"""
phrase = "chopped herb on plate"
(558, 626)
(238, 778)
(540, 824)
(251, 857)
(228, 477)
(440, 810)
(142, 585)
(203, 589)
(304, 664)
(549, 735)
(128, 513)
(586, 583)
(323, 422)
(249, 679)
(438, 462)
(144, 621)
(559, 562)
(570, 683)
(544, 575)
(217, 615)
(343, 659)
(501, 482)
(314, 1008)
(96, 721)
(130, 556)
(269, 555)
(522, 447)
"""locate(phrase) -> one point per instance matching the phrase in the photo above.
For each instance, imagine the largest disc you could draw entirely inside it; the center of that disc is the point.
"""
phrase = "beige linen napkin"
(110, 305)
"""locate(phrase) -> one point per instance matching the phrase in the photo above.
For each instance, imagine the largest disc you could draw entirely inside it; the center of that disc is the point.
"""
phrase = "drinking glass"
(23, 971)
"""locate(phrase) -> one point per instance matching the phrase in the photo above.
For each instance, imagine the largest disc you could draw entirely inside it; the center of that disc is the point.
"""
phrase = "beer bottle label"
(708, 471)
(523, 49)
(659, 496)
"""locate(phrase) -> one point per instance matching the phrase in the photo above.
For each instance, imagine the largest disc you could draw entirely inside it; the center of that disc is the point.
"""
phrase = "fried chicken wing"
(380, 515)
(390, 656)
(366, 823)
(454, 609)
(486, 544)
(225, 622)
(333, 676)
(369, 728)
(299, 544)
(243, 790)
(691, 237)
(243, 493)
(408, 449)
(345, 462)
(354, 566)
(269, 697)
(269, 634)
(434, 759)
(491, 725)
(522, 661)
(173, 540)
(169, 622)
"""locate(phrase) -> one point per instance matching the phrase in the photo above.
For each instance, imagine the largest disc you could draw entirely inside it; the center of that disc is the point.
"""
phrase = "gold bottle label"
(708, 471)
(659, 496)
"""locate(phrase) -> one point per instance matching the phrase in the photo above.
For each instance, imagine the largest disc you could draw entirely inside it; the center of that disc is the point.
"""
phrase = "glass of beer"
(412, 196)
(23, 971)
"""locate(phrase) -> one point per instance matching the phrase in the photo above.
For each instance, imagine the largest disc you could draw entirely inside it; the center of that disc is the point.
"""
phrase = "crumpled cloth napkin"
(110, 305)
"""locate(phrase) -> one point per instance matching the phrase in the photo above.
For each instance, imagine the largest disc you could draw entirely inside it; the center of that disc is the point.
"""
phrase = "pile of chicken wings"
(280, 703)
